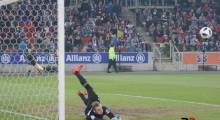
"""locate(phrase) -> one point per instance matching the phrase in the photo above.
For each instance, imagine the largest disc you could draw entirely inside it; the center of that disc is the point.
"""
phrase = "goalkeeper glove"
(116, 118)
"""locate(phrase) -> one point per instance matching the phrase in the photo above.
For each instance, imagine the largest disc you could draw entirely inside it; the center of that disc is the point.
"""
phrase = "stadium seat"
(112, 25)
(32, 40)
(5, 30)
(32, 29)
(201, 40)
(21, 24)
(122, 49)
(38, 50)
(36, 46)
(75, 49)
(11, 50)
(14, 50)
(159, 40)
(29, 35)
(80, 28)
(18, 19)
(80, 49)
(103, 24)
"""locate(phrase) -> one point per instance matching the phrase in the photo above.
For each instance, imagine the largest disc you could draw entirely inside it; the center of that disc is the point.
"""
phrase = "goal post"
(61, 75)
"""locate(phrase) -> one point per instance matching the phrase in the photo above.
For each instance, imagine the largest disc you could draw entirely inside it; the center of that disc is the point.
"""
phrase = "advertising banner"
(197, 58)
(74, 58)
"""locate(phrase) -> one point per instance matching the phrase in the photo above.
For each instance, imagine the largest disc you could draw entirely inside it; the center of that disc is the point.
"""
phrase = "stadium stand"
(180, 25)
(35, 22)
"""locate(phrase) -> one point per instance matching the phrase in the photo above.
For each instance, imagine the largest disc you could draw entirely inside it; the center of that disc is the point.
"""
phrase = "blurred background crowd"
(95, 24)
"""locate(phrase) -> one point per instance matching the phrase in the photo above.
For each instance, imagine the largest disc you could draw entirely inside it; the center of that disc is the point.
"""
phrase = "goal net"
(26, 92)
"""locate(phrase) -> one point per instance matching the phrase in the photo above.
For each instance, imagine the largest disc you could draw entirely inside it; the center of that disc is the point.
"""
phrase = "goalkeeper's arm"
(108, 112)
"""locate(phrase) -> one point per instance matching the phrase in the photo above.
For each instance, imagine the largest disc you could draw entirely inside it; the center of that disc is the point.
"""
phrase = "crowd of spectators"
(91, 27)
(94, 26)
(30, 22)
(181, 25)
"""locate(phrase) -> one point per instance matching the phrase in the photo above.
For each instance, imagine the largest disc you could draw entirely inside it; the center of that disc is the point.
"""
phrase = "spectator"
(217, 45)
(93, 9)
(108, 27)
(115, 41)
(70, 39)
(115, 19)
(94, 44)
(51, 46)
(78, 42)
(193, 28)
(117, 9)
(121, 43)
(100, 9)
(120, 33)
(110, 8)
(68, 47)
(98, 21)
(85, 8)
(194, 43)
(211, 46)
(43, 46)
(1, 46)
(74, 34)
(101, 44)
(22, 47)
(217, 29)
(84, 32)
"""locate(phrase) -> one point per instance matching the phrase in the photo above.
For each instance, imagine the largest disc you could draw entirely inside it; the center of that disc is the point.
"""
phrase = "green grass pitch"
(133, 96)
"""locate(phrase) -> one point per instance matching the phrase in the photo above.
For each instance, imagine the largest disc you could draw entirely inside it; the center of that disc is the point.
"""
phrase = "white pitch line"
(198, 103)
(31, 116)
(143, 97)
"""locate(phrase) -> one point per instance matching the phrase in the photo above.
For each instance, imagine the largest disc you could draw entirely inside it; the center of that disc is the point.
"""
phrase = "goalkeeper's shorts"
(33, 63)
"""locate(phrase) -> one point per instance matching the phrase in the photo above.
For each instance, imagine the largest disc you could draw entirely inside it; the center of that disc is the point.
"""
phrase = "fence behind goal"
(35, 96)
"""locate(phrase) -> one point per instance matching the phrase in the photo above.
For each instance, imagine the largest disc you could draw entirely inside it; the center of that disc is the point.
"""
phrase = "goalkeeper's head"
(97, 108)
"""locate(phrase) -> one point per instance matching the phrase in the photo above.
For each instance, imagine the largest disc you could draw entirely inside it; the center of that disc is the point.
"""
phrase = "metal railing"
(128, 3)
(165, 50)
(176, 58)
(157, 58)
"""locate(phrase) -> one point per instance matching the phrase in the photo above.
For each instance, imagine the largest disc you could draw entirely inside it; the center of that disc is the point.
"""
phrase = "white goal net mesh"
(27, 93)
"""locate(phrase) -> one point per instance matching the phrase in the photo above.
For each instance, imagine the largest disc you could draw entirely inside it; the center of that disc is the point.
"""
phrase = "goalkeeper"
(32, 62)
(94, 110)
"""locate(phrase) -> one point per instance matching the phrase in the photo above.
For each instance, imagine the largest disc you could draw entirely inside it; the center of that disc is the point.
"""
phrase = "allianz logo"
(5, 58)
(140, 58)
(96, 58)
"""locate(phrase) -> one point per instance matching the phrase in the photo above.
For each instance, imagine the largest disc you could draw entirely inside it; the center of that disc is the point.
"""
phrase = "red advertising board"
(197, 58)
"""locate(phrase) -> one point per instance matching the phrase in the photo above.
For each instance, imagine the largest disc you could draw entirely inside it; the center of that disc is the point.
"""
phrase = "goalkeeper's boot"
(82, 93)
(28, 73)
(85, 93)
(77, 69)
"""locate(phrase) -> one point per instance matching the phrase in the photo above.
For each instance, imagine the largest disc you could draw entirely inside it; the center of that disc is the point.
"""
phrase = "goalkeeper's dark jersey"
(92, 116)
(31, 59)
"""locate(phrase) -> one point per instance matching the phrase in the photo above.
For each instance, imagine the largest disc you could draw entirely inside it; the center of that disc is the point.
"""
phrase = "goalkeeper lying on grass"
(94, 110)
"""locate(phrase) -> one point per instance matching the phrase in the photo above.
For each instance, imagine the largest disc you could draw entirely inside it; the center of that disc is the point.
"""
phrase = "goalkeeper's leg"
(36, 66)
(92, 96)
(29, 69)
(82, 96)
